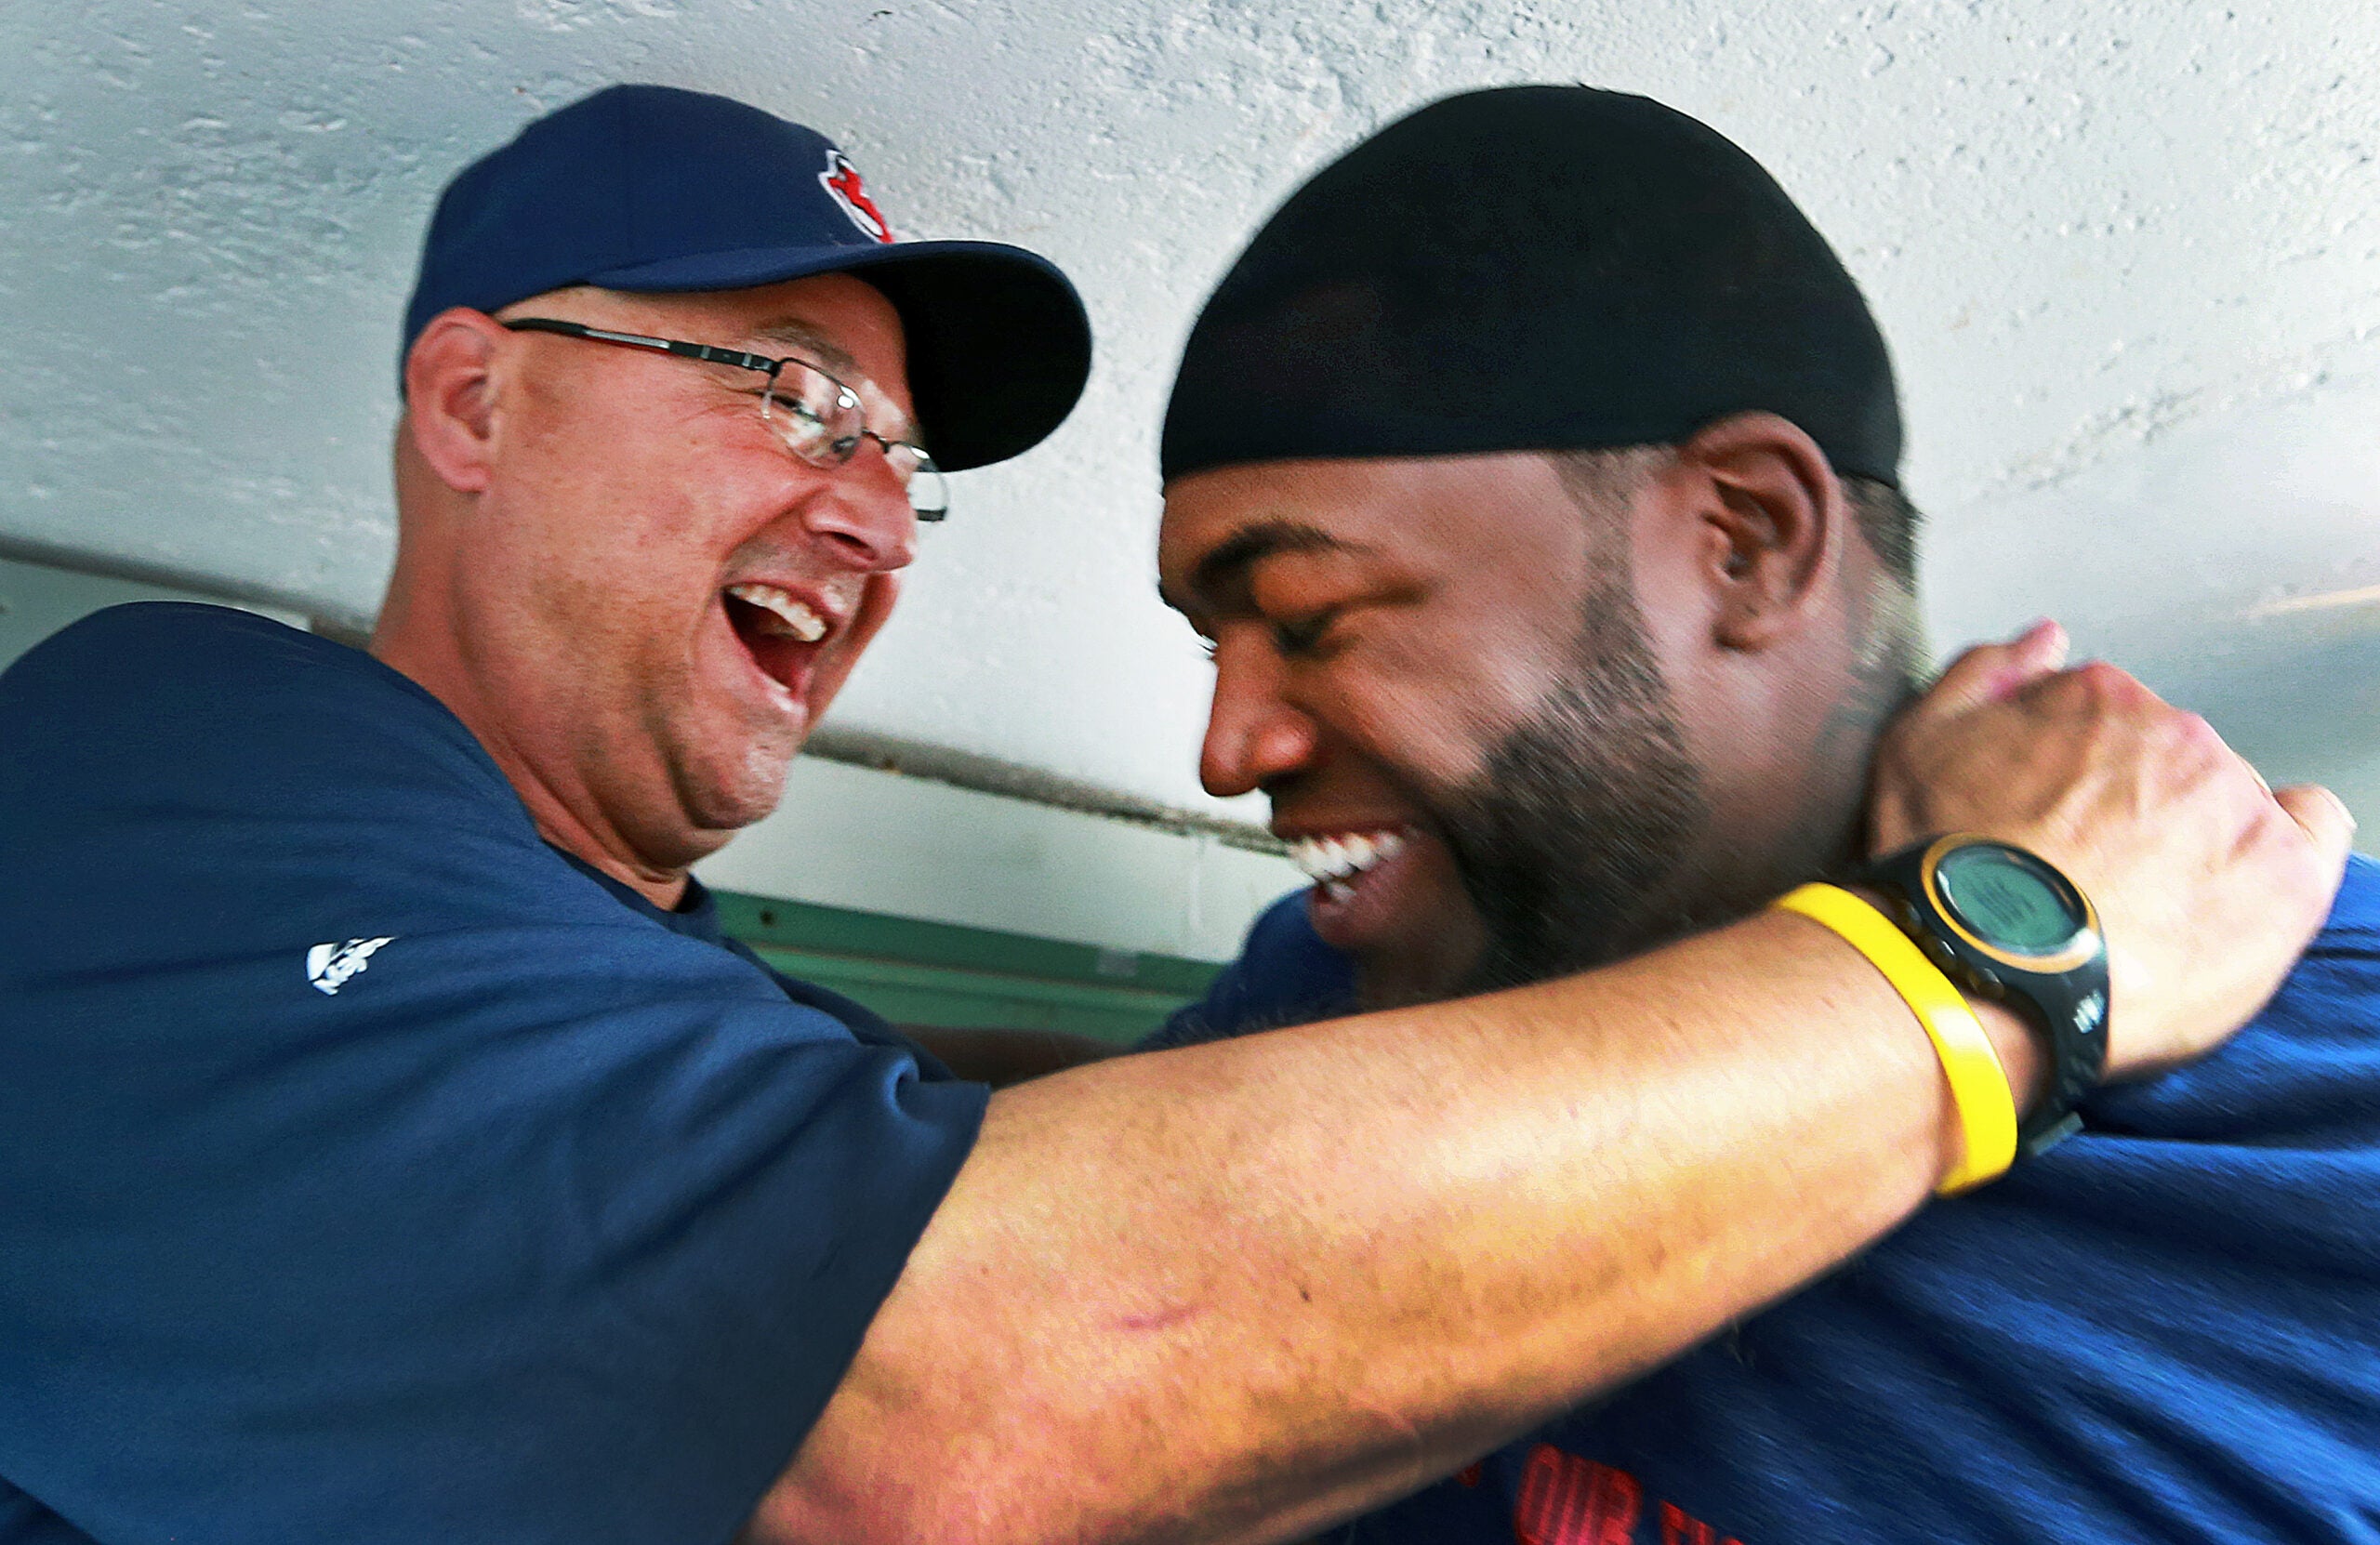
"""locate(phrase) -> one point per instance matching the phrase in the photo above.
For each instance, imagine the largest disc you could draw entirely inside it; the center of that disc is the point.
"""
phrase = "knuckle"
(2067, 693)
(2104, 685)
(2191, 742)
(2197, 738)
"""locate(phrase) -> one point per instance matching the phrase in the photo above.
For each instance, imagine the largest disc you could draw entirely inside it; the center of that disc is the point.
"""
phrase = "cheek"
(1405, 723)
(588, 613)
(875, 609)
(615, 534)
(1437, 699)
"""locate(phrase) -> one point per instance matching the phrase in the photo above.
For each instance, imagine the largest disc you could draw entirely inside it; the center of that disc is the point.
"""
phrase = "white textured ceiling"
(2127, 253)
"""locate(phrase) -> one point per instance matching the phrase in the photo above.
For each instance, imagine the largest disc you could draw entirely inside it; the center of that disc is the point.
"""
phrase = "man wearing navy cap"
(1535, 474)
(392, 1150)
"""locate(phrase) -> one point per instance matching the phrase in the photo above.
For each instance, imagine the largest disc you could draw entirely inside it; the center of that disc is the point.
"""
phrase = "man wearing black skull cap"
(1534, 475)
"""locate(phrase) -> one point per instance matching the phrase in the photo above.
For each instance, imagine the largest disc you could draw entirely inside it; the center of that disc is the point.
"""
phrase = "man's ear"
(450, 396)
(1772, 524)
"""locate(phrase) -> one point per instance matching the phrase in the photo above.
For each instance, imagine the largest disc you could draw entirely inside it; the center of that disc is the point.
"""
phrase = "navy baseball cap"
(649, 188)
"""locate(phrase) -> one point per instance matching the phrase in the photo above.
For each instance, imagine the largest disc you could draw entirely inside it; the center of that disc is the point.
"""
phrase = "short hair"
(1888, 522)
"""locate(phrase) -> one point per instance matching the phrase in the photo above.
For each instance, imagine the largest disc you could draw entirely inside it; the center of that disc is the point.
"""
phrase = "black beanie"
(1532, 267)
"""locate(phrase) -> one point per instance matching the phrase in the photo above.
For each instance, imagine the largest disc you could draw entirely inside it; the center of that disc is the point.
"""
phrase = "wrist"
(2013, 1042)
(2018, 1047)
(1988, 1058)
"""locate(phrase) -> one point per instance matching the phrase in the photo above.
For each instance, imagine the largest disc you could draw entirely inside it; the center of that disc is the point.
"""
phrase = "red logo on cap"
(841, 180)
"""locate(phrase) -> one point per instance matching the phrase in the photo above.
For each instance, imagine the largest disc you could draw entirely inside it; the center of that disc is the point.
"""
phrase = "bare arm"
(1237, 1291)
(1259, 1284)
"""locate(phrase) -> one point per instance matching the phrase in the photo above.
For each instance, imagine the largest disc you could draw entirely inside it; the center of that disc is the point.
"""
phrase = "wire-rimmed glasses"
(819, 419)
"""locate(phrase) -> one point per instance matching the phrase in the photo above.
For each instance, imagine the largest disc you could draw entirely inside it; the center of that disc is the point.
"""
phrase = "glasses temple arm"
(639, 340)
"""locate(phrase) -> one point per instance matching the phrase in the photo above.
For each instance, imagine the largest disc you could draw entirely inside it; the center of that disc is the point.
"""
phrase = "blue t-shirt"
(1285, 975)
(369, 1171)
(2166, 1329)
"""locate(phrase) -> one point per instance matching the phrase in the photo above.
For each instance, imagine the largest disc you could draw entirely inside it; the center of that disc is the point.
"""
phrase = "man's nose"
(864, 512)
(1253, 735)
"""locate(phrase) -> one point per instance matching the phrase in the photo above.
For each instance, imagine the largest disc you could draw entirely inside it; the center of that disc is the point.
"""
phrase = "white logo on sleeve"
(329, 966)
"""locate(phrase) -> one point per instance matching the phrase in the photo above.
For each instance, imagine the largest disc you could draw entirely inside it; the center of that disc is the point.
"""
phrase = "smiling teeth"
(800, 621)
(1335, 860)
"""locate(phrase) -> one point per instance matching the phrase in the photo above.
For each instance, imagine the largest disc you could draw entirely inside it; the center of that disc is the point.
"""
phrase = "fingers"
(2207, 893)
(2093, 688)
(1910, 754)
(1989, 673)
(2325, 819)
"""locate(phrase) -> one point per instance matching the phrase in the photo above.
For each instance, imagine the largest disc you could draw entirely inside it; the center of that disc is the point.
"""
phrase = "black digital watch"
(2008, 926)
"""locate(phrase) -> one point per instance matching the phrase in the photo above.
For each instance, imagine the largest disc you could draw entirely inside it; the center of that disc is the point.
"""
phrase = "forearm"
(1237, 1291)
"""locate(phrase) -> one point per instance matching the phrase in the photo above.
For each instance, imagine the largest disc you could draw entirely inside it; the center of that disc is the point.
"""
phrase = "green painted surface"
(916, 972)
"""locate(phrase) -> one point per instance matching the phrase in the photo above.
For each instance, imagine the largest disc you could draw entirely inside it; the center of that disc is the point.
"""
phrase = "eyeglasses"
(819, 419)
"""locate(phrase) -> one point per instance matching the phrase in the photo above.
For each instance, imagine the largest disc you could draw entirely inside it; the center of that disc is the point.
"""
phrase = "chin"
(1433, 964)
(727, 797)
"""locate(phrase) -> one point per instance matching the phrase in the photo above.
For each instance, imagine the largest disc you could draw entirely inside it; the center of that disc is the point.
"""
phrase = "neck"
(1820, 831)
(429, 656)
(1757, 846)
(665, 887)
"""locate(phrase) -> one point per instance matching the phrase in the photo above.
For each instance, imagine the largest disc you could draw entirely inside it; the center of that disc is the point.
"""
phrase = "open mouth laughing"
(781, 632)
(1369, 882)
(1337, 863)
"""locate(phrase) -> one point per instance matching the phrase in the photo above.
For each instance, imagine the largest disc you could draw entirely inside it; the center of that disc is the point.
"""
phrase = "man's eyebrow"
(818, 349)
(1225, 570)
(793, 333)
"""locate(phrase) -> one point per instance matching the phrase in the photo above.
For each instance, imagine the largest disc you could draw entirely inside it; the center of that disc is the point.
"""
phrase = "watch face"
(2009, 899)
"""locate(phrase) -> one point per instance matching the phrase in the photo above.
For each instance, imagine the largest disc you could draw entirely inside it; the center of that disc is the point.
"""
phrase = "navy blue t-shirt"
(2166, 1329)
(369, 1171)
(1285, 975)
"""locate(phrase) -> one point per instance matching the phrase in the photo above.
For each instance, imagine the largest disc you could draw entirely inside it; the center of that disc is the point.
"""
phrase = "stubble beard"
(1584, 815)
(722, 778)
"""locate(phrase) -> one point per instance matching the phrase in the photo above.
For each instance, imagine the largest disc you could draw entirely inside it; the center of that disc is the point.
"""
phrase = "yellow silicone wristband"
(1979, 1084)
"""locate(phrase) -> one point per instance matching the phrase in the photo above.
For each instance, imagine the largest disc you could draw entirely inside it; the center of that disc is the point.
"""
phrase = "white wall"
(2233, 565)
